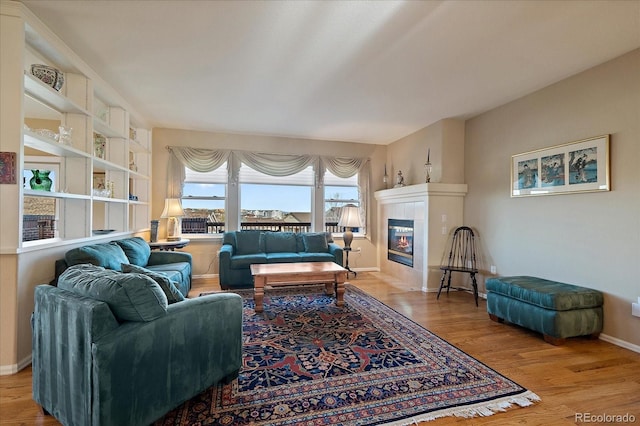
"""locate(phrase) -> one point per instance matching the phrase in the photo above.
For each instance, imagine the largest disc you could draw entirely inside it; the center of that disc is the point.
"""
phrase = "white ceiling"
(360, 71)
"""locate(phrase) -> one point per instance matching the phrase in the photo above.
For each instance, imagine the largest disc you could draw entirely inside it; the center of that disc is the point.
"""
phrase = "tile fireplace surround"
(436, 209)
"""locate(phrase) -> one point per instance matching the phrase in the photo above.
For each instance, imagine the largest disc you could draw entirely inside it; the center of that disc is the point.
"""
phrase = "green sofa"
(109, 348)
(242, 248)
(135, 251)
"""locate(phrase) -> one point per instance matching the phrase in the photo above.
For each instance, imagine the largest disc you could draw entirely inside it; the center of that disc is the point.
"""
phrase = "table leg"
(328, 288)
(258, 292)
(340, 279)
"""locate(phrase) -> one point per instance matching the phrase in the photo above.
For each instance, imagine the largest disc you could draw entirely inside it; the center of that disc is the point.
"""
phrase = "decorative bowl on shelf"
(48, 75)
(46, 133)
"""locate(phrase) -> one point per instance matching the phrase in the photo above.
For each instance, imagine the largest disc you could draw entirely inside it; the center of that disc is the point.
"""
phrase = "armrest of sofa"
(64, 327)
(337, 252)
(161, 363)
(61, 265)
(164, 257)
(224, 264)
(226, 251)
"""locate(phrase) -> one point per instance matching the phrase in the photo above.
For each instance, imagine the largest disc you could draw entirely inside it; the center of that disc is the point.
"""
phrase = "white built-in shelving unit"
(94, 111)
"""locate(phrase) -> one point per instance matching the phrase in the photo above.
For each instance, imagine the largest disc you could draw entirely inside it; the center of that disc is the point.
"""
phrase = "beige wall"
(445, 138)
(205, 252)
(589, 239)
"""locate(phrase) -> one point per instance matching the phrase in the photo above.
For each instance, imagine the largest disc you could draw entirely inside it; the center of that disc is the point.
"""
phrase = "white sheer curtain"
(206, 160)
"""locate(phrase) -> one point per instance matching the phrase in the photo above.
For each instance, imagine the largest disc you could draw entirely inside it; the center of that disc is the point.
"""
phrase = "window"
(275, 203)
(203, 201)
(338, 192)
(40, 214)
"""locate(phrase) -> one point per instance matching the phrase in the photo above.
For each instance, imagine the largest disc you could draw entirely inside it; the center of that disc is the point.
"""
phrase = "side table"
(165, 245)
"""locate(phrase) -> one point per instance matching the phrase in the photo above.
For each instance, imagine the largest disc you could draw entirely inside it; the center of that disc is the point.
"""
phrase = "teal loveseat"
(109, 348)
(135, 251)
(240, 249)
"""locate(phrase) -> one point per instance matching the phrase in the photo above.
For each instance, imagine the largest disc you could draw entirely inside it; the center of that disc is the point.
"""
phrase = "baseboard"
(6, 370)
(467, 290)
(619, 342)
(206, 276)
(370, 269)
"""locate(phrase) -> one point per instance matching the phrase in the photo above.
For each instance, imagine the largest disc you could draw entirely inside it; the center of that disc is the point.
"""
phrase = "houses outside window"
(276, 203)
(338, 192)
(204, 201)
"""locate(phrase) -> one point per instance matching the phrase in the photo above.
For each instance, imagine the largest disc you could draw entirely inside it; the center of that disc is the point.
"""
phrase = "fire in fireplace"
(401, 241)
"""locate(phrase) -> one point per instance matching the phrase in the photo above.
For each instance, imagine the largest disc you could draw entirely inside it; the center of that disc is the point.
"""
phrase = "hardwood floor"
(582, 377)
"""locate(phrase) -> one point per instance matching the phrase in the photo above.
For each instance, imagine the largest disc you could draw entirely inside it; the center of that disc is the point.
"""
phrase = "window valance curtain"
(198, 159)
(206, 160)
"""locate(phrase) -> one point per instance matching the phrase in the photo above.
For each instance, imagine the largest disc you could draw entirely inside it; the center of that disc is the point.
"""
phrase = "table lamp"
(349, 218)
(173, 211)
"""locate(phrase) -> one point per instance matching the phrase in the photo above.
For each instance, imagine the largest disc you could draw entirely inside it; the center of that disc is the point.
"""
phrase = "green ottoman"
(556, 310)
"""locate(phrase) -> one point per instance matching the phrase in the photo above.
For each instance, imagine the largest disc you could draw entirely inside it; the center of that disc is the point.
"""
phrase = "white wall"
(588, 239)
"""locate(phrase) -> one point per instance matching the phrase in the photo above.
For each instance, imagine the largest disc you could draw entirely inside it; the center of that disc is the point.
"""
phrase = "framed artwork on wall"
(7, 167)
(581, 166)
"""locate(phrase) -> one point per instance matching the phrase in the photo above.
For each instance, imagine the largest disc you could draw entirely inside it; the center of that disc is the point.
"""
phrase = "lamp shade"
(172, 208)
(350, 216)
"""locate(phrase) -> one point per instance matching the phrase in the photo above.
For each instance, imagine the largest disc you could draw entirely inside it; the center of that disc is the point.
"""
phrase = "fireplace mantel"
(436, 209)
(419, 192)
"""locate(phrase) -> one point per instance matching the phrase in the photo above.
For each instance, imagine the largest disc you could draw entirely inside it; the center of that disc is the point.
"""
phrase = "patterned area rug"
(308, 362)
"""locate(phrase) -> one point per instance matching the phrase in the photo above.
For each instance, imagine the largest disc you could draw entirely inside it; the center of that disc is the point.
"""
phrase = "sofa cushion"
(131, 297)
(179, 272)
(315, 242)
(248, 242)
(316, 257)
(107, 255)
(244, 260)
(283, 257)
(168, 287)
(280, 242)
(136, 249)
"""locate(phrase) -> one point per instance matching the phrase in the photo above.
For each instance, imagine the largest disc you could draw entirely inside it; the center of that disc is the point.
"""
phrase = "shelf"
(138, 203)
(137, 175)
(137, 147)
(101, 165)
(102, 127)
(50, 97)
(50, 194)
(111, 200)
(35, 141)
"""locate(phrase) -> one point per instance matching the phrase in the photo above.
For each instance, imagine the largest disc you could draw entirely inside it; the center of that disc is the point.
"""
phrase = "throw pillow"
(136, 249)
(131, 297)
(315, 242)
(108, 255)
(280, 242)
(167, 286)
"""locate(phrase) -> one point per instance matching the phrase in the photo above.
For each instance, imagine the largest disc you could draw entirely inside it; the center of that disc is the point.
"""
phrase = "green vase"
(40, 180)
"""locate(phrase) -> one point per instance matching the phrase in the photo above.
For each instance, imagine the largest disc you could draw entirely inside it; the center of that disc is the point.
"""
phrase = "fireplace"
(401, 241)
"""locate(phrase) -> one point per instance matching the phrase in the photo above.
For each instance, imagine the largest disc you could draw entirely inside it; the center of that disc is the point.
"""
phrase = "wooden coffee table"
(287, 274)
